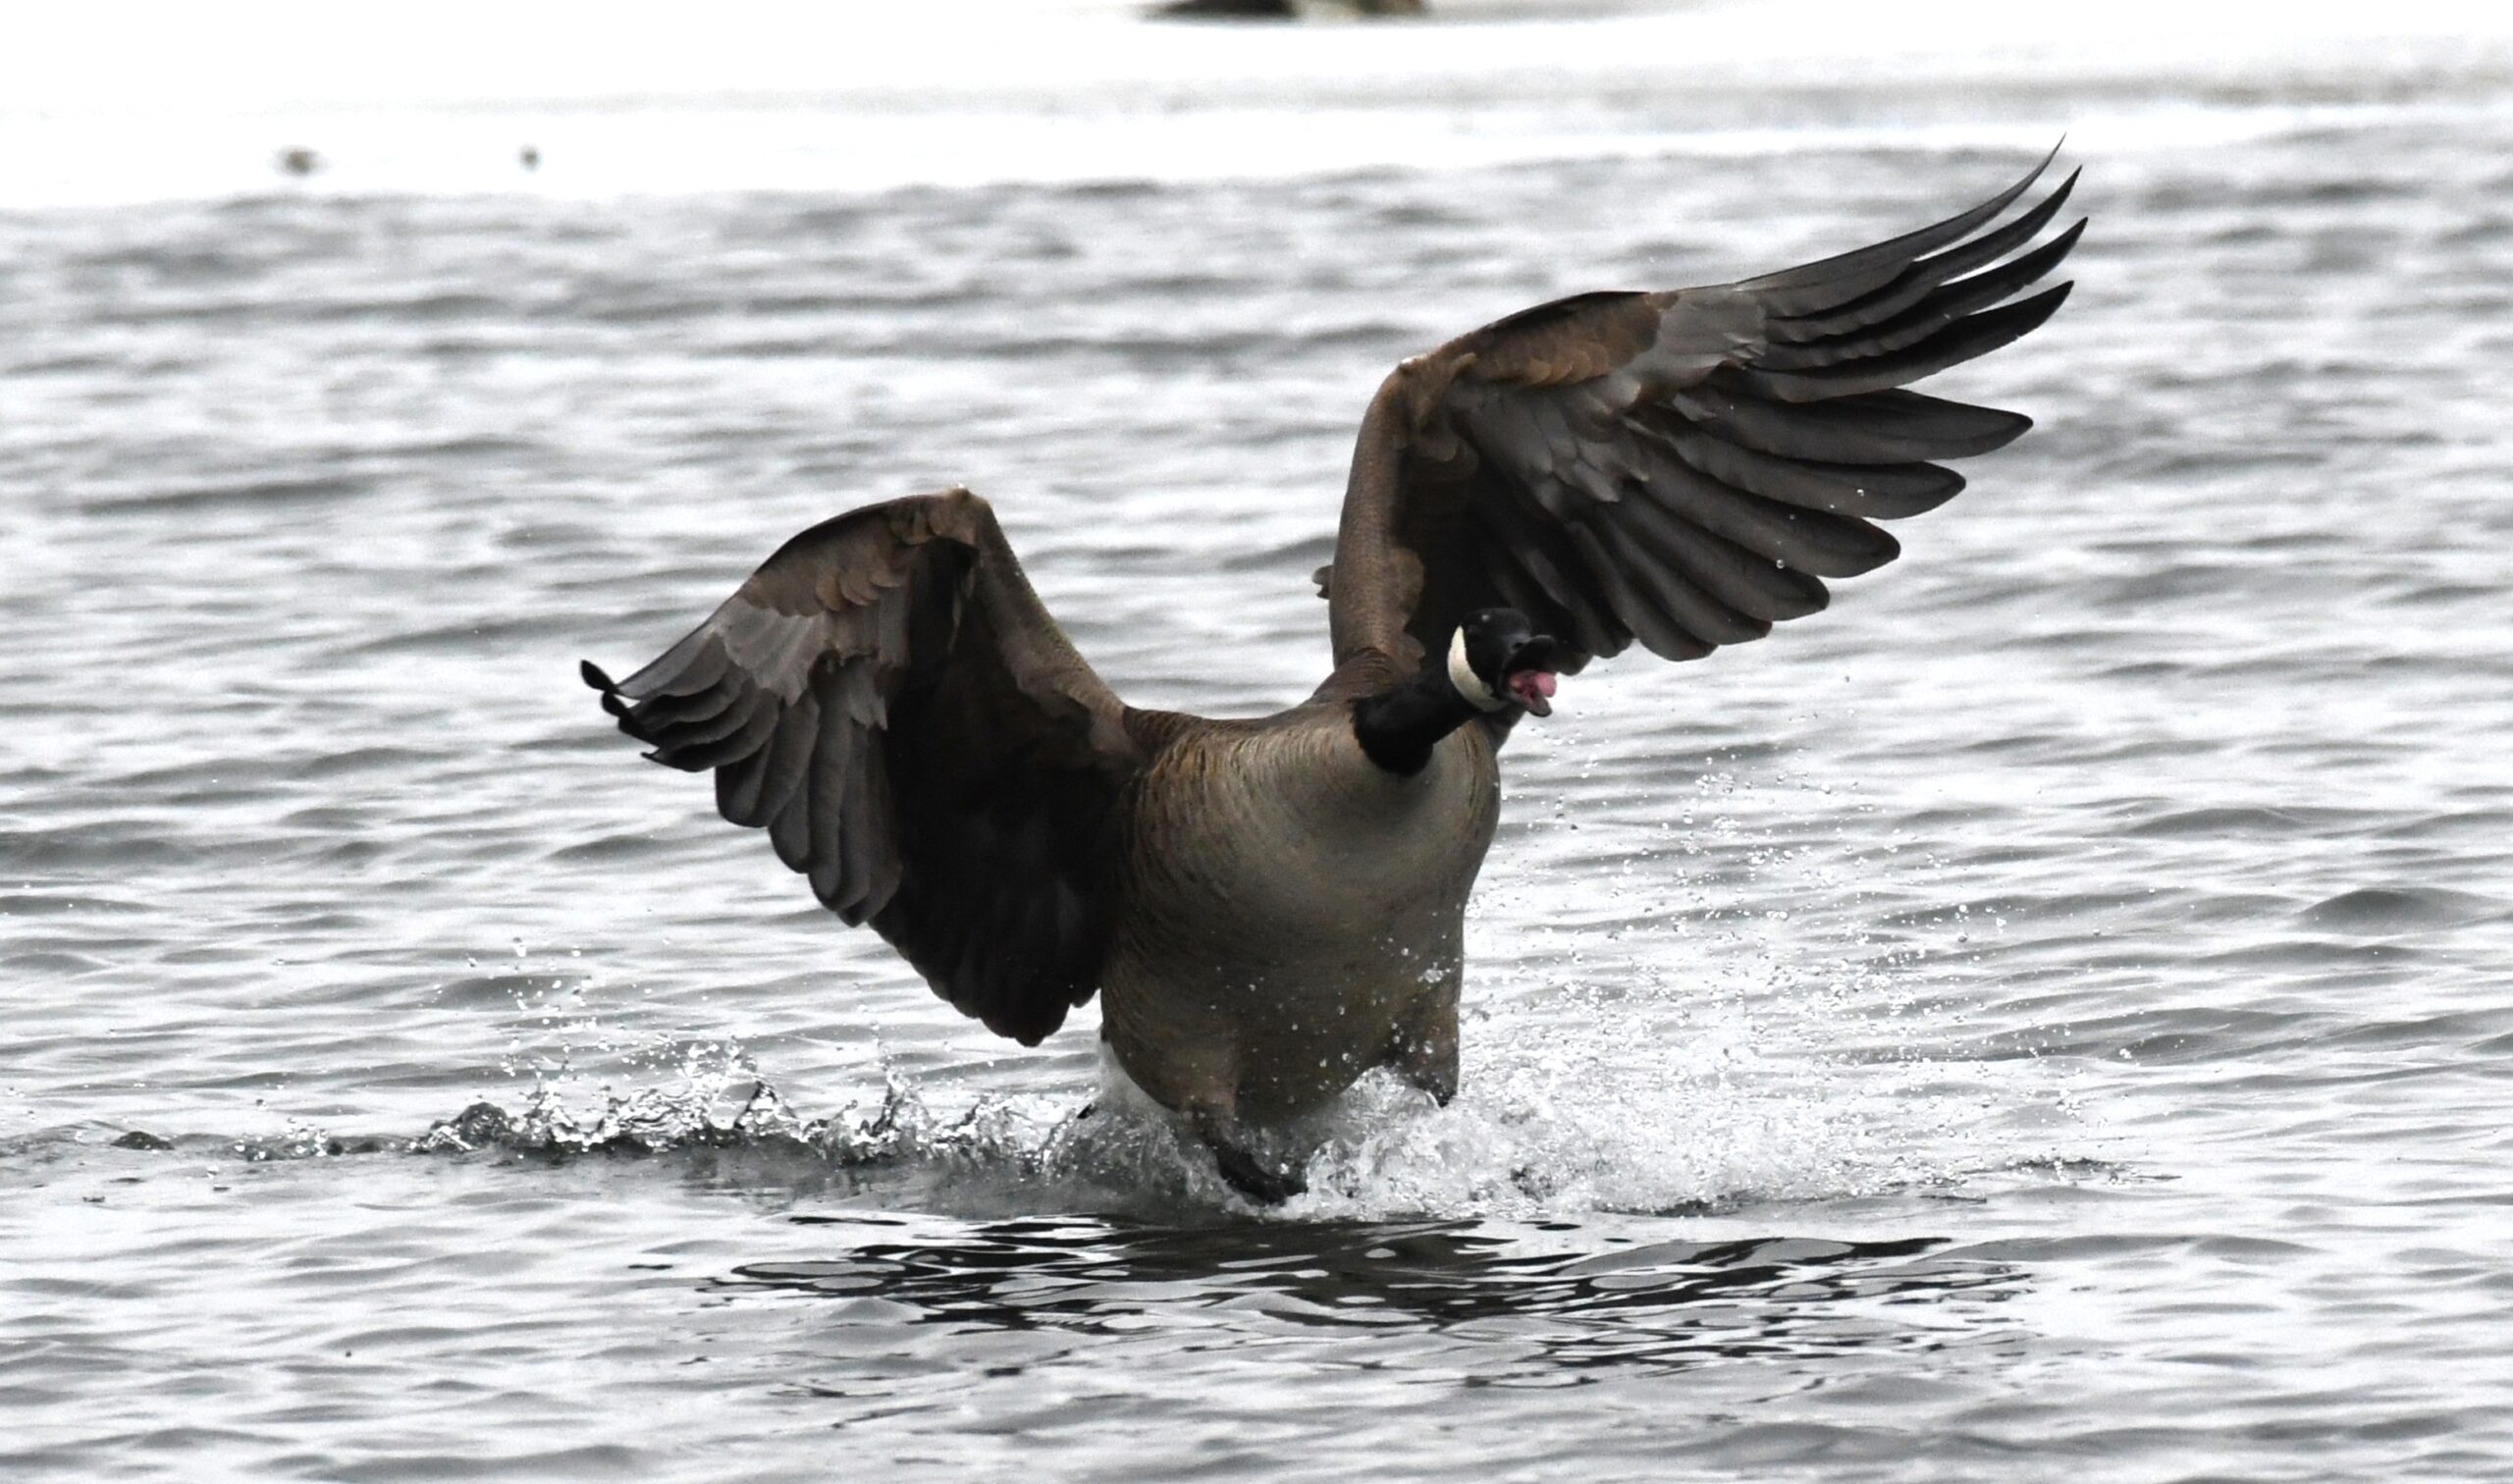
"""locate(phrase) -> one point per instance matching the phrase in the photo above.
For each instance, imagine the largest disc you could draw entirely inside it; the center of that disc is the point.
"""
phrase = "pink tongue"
(1543, 681)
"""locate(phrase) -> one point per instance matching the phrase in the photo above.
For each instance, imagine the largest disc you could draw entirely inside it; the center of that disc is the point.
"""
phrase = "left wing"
(1682, 468)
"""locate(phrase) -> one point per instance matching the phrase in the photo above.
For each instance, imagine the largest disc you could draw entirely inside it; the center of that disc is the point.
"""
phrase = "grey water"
(2046, 1017)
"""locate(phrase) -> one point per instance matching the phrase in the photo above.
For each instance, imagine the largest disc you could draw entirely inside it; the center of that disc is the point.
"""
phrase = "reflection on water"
(1656, 1305)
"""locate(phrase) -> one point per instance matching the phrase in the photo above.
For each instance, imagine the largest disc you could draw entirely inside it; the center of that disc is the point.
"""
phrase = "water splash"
(1559, 1128)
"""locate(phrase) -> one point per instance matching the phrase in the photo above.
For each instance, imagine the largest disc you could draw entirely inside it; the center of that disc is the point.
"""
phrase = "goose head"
(1498, 661)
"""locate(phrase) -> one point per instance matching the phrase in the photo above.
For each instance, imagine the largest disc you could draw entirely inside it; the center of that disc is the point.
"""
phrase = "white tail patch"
(1468, 684)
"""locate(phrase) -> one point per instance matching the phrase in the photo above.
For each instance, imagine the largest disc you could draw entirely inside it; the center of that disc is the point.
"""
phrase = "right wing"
(889, 699)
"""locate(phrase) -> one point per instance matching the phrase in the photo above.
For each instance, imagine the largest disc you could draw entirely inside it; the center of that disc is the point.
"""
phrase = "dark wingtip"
(611, 700)
(1879, 257)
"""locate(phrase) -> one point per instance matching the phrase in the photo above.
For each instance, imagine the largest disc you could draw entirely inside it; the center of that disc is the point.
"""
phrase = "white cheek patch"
(1467, 683)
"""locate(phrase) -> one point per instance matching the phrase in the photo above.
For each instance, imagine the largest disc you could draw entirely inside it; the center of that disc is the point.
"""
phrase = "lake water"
(2046, 1017)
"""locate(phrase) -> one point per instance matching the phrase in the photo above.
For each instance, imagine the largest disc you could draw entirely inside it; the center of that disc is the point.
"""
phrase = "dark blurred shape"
(300, 161)
(1229, 9)
(141, 1138)
(531, 157)
(1278, 10)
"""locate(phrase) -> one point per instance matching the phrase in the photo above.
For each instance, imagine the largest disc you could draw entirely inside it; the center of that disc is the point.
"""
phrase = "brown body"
(1294, 914)
(1272, 907)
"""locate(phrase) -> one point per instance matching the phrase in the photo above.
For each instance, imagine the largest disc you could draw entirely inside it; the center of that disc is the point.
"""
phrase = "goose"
(1270, 907)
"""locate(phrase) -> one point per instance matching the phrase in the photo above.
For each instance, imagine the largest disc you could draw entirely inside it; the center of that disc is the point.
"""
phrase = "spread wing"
(1684, 469)
(889, 700)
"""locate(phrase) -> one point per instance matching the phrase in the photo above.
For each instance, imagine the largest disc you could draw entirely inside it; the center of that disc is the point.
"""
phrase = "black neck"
(1398, 729)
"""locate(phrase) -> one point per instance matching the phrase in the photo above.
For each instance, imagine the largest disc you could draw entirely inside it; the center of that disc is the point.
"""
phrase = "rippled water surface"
(2046, 1015)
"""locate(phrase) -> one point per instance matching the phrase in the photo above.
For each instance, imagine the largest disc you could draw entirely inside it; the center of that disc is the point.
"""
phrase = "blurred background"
(141, 101)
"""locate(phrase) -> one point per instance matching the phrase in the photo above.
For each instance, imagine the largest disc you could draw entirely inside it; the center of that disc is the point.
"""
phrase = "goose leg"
(1426, 1050)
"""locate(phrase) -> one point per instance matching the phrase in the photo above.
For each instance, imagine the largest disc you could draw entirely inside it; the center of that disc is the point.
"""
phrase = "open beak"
(1529, 676)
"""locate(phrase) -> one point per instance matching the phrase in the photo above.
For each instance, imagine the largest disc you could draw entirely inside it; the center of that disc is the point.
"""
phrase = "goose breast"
(1288, 907)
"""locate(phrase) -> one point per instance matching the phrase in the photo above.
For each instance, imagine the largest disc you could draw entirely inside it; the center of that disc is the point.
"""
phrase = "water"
(2043, 1017)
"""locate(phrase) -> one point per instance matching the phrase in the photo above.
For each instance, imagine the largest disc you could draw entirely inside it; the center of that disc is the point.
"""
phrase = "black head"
(1498, 660)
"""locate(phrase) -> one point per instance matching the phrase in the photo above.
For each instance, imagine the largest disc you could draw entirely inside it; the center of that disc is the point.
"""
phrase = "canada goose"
(1270, 907)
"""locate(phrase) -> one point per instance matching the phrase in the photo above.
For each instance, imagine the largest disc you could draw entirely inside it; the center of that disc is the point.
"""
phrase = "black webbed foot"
(1261, 1181)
